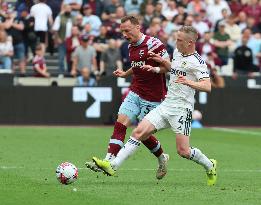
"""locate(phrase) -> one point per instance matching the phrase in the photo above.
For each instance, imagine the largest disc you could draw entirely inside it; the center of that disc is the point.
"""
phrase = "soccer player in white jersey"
(188, 72)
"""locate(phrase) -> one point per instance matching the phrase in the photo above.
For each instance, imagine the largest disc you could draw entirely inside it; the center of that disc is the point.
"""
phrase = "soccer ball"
(66, 173)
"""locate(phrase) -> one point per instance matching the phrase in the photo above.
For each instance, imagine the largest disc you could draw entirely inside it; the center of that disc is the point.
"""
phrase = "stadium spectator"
(42, 14)
(71, 44)
(200, 25)
(110, 59)
(214, 10)
(28, 34)
(222, 42)
(14, 27)
(254, 43)
(78, 22)
(158, 11)
(110, 10)
(253, 9)
(188, 20)
(233, 30)
(171, 10)
(124, 50)
(119, 14)
(242, 20)
(84, 56)
(85, 79)
(225, 16)
(55, 7)
(236, 6)
(76, 6)
(132, 6)
(6, 51)
(96, 6)
(39, 65)
(252, 25)
(91, 19)
(148, 16)
(62, 29)
(205, 46)
(113, 27)
(216, 80)
(22, 5)
(204, 18)
(100, 43)
(195, 6)
(243, 60)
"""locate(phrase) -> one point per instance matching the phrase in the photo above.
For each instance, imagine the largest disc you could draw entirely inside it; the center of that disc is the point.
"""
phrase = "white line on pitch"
(138, 169)
(237, 131)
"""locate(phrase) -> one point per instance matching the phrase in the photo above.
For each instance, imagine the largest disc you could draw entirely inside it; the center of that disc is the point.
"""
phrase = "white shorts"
(180, 122)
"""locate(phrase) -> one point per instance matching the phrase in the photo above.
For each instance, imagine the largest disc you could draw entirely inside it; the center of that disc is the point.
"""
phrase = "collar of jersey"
(139, 41)
(189, 54)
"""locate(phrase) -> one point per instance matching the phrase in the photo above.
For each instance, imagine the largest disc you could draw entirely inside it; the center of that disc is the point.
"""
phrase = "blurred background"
(57, 58)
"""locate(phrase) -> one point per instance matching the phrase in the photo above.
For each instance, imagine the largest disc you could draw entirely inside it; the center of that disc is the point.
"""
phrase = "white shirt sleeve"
(201, 71)
(57, 23)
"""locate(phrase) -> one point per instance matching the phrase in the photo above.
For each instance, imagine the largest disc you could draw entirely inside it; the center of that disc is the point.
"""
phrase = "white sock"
(109, 157)
(129, 149)
(161, 158)
(197, 156)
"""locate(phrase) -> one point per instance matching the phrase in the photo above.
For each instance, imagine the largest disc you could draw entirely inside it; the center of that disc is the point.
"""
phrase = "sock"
(197, 156)
(117, 141)
(153, 145)
(129, 149)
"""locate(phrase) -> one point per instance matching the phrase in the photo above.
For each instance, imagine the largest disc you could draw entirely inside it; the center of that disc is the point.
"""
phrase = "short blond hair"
(190, 31)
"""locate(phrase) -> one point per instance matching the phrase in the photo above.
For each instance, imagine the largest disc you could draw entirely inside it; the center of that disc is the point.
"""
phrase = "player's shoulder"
(196, 59)
(150, 40)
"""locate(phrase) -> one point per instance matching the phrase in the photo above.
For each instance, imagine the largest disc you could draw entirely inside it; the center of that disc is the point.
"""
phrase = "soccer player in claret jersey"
(147, 90)
(188, 72)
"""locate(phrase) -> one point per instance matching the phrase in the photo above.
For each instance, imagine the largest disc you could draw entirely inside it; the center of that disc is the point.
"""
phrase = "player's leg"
(152, 143)
(181, 124)
(128, 111)
(142, 132)
(153, 121)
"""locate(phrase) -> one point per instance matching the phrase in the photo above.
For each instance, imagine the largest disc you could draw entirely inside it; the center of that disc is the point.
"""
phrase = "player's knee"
(138, 133)
(183, 152)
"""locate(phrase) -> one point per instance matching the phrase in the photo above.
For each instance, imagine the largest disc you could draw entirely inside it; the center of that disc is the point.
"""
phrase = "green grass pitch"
(29, 157)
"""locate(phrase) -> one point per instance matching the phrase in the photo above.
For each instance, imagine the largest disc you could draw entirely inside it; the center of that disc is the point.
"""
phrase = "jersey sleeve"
(201, 71)
(156, 46)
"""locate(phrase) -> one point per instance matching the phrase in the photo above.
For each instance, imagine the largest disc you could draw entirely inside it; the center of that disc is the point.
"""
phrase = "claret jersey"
(148, 85)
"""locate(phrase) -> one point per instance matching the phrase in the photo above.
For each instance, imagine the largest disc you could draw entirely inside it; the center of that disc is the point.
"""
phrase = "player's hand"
(119, 73)
(155, 57)
(182, 80)
(147, 68)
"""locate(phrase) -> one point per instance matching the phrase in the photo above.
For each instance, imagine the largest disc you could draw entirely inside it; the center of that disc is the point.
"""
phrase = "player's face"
(183, 43)
(130, 32)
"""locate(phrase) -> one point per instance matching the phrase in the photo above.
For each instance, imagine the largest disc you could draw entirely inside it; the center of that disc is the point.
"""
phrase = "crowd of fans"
(87, 37)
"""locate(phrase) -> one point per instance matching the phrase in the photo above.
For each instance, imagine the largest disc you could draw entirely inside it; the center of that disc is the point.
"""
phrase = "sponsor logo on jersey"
(178, 72)
(141, 53)
(137, 63)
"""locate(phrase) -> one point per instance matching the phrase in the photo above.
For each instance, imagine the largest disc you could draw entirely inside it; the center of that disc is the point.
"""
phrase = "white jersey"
(179, 95)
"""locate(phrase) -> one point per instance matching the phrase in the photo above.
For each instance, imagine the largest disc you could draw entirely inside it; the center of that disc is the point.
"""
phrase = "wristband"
(156, 69)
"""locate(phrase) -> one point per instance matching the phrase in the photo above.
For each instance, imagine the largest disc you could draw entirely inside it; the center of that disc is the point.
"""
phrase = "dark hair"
(134, 20)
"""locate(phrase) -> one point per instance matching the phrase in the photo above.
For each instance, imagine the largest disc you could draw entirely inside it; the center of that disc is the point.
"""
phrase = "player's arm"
(202, 85)
(123, 74)
(165, 64)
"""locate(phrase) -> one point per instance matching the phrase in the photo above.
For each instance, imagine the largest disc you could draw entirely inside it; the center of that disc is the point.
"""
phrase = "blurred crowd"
(87, 37)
